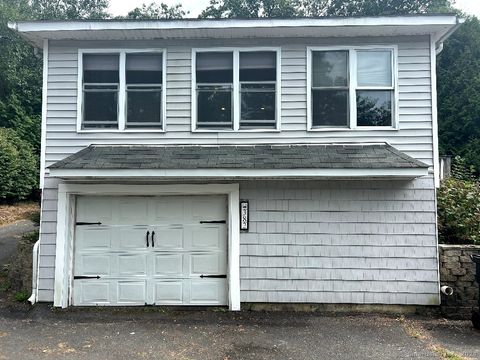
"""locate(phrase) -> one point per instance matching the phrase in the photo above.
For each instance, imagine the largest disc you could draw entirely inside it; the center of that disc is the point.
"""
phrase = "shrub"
(18, 167)
(459, 211)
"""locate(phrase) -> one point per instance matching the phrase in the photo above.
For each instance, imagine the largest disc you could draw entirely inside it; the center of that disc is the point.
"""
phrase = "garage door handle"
(214, 222)
(214, 276)
(85, 277)
(153, 240)
(148, 233)
(88, 223)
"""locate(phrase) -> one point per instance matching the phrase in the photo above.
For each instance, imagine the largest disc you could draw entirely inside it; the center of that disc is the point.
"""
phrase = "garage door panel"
(95, 209)
(131, 292)
(207, 208)
(132, 265)
(207, 237)
(169, 238)
(208, 264)
(169, 210)
(93, 265)
(88, 292)
(208, 292)
(169, 265)
(93, 238)
(131, 238)
(133, 211)
(169, 293)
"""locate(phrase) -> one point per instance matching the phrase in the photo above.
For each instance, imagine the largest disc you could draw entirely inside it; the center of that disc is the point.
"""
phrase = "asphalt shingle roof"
(327, 156)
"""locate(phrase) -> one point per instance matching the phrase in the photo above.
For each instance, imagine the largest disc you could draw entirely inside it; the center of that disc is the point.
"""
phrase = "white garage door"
(169, 250)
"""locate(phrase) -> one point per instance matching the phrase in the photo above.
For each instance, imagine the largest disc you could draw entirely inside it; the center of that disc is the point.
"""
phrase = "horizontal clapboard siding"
(415, 99)
(340, 242)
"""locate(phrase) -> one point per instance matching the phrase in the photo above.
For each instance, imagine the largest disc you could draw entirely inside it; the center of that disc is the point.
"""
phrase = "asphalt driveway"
(149, 333)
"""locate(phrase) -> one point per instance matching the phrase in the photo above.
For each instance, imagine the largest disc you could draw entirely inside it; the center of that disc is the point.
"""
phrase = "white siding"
(413, 137)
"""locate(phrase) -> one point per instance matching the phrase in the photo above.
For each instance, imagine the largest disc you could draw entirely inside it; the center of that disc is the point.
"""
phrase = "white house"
(221, 162)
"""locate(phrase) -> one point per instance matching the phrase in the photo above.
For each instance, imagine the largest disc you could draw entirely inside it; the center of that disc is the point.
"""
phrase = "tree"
(154, 11)
(458, 86)
(18, 167)
(70, 9)
(312, 8)
(250, 9)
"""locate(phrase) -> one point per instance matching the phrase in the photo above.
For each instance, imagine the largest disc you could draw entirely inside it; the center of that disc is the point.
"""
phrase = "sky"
(122, 7)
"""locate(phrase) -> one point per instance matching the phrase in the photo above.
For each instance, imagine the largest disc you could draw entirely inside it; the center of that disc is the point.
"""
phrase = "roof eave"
(438, 26)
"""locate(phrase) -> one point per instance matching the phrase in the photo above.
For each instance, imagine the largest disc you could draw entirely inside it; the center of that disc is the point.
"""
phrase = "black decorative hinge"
(85, 277)
(214, 276)
(214, 222)
(88, 223)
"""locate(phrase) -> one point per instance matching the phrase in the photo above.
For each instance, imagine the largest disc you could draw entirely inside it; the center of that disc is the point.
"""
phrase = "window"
(100, 91)
(121, 90)
(236, 90)
(352, 88)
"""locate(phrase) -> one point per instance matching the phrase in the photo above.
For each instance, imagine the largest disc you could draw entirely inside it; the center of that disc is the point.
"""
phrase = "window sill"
(116, 131)
(236, 131)
(356, 129)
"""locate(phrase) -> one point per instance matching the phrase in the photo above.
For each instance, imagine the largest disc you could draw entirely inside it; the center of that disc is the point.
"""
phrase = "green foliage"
(154, 11)
(458, 201)
(458, 71)
(31, 237)
(18, 167)
(70, 9)
(21, 296)
(312, 8)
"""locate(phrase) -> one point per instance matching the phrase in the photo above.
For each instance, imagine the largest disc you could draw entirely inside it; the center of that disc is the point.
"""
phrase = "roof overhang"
(438, 26)
(232, 174)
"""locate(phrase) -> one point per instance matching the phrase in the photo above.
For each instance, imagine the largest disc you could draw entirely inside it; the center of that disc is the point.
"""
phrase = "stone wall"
(458, 271)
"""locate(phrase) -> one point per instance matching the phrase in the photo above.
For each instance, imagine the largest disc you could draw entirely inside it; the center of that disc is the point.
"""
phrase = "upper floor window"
(236, 90)
(352, 88)
(121, 90)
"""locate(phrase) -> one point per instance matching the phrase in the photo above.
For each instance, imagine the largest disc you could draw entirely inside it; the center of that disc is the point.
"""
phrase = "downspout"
(35, 263)
(440, 41)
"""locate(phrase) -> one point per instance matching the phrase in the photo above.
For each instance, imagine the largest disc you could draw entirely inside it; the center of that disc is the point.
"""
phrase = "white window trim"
(236, 88)
(352, 65)
(121, 91)
(66, 219)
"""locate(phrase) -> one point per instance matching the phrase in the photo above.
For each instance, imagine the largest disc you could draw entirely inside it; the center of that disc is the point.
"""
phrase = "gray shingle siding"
(363, 241)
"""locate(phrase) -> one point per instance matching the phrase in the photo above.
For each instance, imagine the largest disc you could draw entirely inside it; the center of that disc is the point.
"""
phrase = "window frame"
(122, 90)
(236, 103)
(353, 87)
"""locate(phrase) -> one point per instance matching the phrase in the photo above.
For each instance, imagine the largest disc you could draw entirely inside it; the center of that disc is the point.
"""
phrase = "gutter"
(441, 40)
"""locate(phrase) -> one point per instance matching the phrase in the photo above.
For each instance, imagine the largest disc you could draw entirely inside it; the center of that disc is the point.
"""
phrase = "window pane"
(374, 68)
(100, 109)
(144, 68)
(100, 68)
(215, 67)
(258, 66)
(330, 108)
(143, 108)
(374, 108)
(258, 106)
(214, 107)
(329, 68)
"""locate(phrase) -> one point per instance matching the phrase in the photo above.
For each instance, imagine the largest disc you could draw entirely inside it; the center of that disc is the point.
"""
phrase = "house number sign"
(244, 215)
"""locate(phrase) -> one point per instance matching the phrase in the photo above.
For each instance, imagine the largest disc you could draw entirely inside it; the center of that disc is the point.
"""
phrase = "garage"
(150, 250)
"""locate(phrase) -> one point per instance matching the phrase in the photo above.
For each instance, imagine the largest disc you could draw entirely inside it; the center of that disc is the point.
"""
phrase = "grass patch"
(21, 296)
(31, 237)
(21, 211)
(446, 354)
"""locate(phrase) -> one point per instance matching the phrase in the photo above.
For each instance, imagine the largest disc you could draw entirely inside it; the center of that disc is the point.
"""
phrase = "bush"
(18, 167)
(459, 211)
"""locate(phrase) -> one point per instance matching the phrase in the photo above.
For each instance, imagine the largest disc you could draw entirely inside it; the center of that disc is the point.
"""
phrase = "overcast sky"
(122, 7)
